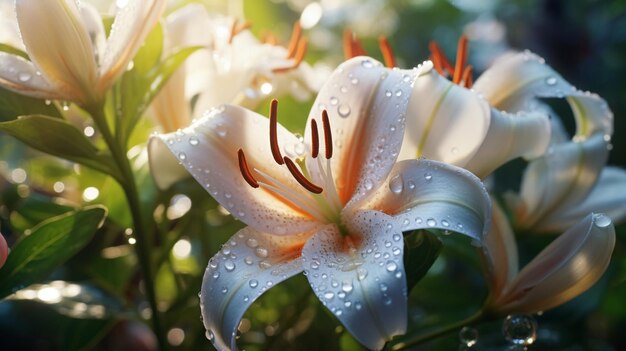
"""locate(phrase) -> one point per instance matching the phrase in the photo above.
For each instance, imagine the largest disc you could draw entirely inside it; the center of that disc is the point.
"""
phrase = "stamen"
(296, 34)
(437, 63)
(300, 52)
(441, 57)
(461, 58)
(233, 30)
(385, 49)
(467, 76)
(245, 171)
(328, 137)
(295, 172)
(273, 132)
(269, 38)
(351, 45)
(315, 139)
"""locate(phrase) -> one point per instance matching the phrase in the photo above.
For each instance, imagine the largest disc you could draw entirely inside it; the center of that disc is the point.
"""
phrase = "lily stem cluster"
(129, 186)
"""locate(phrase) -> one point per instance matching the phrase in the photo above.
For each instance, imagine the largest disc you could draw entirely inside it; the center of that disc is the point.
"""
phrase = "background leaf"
(421, 249)
(49, 245)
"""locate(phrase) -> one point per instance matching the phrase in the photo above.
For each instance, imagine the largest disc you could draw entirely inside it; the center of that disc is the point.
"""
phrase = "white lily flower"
(235, 67)
(570, 180)
(566, 268)
(452, 123)
(74, 60)
(334, 207)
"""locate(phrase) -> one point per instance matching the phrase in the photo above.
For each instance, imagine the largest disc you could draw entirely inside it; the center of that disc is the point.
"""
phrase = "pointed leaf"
(49, 245)
(59, 138)
(421, 249)
(13, 104)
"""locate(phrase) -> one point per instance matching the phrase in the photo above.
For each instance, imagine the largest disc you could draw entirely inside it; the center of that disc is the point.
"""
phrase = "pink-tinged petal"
(559, 180)
(515, 81)
(500, 252)
(133, 22)
(525, 134)
(4, 250)
(367, 105)
(208, 149)
(364, 285)
(248, 264)
(424, 194)
(566, 268)
(445, 122)
(21, 76)
(65, 54)
(607, 196)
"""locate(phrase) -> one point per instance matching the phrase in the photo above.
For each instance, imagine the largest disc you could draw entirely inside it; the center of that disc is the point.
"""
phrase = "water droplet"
(388, 93)
(387, 243)
(254, 283)
(334, 101)
(445, 223)
(329, 295)
(361, 274)
(397, 237)
(396, 184)
(358, 306)
(411, 184)
(391, 266)
(454, 150)
(354, 81)
(383, 287)
(182, 156)
(224, 290)
(551, 80)
(252, 243)
(428, 176)
(343, 110)
(343, 89)
(193, 141)
(246, 298)
(431, 222)
(520, 329)
(261, 252)
(346, 287)
(601, 220)
(398, 93)
(24, 76)
(209, 335)
(368, 184)
(229, 265)
(367, 64)
(248, 260)
(468, 336)
(396, 251)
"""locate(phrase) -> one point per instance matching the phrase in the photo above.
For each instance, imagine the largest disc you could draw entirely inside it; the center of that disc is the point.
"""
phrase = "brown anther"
(385, 49)
(296, 34)
(439, 56)
(467, 76)
(245, 171)
(300, 52)
(328, 137)
(461, 58)
(295, 172)
(273, 132)
(315, 139)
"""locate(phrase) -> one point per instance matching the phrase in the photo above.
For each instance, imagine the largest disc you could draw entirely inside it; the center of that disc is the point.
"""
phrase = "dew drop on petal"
(428, 176)
(252, 243)
(396, 184)
(343, 110)
(601, 220)
(24, 76)
(329, 295)
(431, 222)
(367, 64)
(551, 80)
(182, 156)
(361, 274)
(193, 141)
(391, 266)
(229, 265)
(334, 101)
(253, 283)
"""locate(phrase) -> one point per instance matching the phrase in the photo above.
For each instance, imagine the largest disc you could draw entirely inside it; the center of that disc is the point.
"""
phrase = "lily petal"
(363, 286)
(65, 55)
(516, 80)
(560, 179)
(525, 134)
(366, 104)
(212, 143)
(567, 267)
(446, 122)
(433, 195)
(133, 22)
(607, 196)
(500, 252)
(247, 265)
(94, 26)
(20, 75)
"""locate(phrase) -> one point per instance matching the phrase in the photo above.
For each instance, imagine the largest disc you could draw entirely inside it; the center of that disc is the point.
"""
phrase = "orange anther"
(461, 58)
(296, 34)
(467, 76)
(440, 57)
(385, 49)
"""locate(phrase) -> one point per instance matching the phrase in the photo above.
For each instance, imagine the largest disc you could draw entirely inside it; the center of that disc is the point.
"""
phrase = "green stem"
(142, 245)
(409, 341)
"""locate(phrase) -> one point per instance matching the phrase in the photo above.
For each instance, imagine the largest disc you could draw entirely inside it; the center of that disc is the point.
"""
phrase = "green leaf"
(59, 138)
(13, 105)
(49, 245)
(421, 249)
